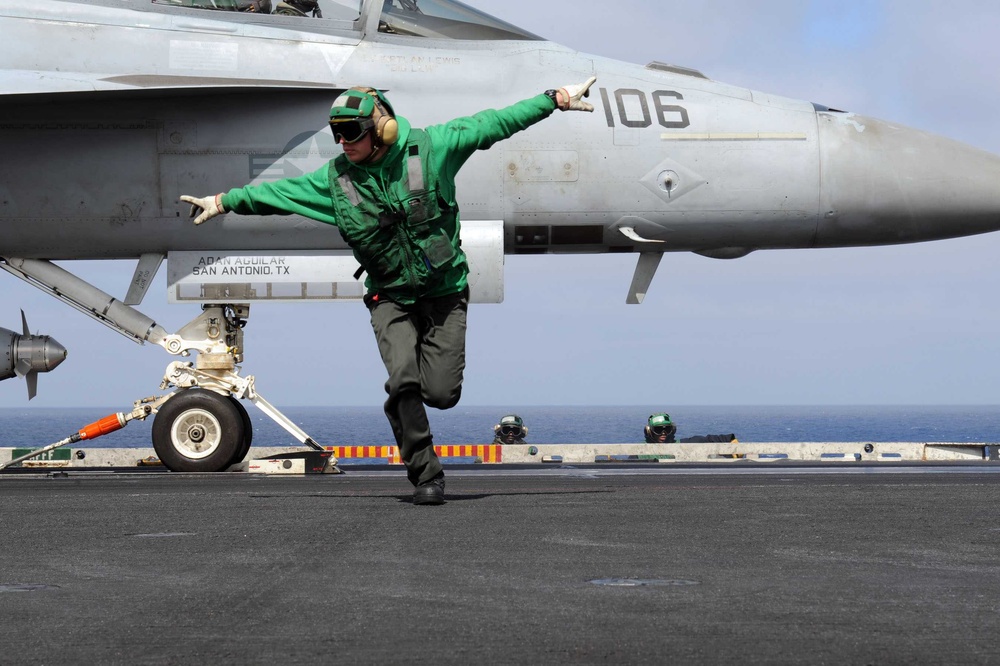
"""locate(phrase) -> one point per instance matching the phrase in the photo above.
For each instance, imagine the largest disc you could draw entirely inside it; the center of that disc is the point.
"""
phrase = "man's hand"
(205, 208)
(571, 97)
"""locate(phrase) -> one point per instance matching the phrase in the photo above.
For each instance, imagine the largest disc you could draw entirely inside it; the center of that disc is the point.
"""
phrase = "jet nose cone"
(884, 183)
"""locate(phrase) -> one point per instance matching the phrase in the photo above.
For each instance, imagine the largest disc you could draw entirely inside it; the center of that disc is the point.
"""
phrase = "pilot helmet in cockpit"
(299, 8)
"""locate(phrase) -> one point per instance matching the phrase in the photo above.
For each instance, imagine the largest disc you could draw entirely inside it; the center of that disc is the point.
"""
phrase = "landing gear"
(197, 430)
(201, 426)
(217, 336)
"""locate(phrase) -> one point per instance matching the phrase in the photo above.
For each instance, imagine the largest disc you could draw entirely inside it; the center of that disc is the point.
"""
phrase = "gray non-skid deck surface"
(776, 566)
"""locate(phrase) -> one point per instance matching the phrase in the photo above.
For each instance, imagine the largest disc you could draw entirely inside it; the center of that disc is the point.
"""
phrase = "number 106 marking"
(670, 116)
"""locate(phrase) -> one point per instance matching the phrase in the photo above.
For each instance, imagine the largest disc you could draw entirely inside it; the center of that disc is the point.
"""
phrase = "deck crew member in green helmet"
(659, 429)
(510, 430)
(392, 196)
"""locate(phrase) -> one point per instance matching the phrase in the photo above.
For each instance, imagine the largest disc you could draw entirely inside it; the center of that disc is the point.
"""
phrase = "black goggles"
(510, 430)
(660, 429)
(350, 131)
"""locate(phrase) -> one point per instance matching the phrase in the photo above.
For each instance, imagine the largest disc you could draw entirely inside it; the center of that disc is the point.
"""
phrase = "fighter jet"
(144, 101)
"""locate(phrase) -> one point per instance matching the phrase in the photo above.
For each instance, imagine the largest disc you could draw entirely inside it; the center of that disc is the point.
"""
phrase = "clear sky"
(913, 324)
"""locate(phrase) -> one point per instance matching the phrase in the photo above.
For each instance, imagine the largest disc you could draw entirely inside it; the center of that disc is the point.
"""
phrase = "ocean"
(357, 426)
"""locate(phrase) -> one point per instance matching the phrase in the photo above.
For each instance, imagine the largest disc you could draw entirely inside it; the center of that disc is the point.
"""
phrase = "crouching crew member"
(659, 429)
(510, 430)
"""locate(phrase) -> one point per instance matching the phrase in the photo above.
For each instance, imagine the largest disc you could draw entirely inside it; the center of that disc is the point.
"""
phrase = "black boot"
(408, 419)
(430, 492)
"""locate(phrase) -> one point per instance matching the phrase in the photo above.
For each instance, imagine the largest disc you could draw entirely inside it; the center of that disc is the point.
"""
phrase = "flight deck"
(749, 562)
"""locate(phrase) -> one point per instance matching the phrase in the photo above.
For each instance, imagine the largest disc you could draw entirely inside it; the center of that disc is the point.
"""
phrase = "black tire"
(241, 453)
(197, 431)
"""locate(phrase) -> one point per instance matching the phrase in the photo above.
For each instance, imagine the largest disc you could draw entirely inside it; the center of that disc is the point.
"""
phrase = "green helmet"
(659, 420)
(512, 420)
(358, 103)
(360, 109)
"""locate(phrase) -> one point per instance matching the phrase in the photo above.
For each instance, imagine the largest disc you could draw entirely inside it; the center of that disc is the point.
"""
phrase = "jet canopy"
(447, 19)
(435, 19)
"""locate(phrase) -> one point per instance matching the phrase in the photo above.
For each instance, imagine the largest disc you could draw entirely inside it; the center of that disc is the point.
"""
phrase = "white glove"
(205, 208)
(574, 96)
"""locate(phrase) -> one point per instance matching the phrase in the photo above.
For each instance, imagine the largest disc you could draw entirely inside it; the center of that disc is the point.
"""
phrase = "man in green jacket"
(392, 196)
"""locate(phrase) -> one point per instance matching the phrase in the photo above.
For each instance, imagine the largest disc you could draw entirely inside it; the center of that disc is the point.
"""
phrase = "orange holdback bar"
(106, 425)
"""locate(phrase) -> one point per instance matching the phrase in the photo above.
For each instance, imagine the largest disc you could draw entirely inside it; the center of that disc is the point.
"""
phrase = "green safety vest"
(402, 232)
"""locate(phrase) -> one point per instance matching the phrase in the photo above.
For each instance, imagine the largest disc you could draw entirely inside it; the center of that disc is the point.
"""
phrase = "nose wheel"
(244, 449)
(197, 430)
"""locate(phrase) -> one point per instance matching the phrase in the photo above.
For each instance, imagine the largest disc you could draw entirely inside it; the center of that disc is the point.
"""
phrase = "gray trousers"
(423, 348)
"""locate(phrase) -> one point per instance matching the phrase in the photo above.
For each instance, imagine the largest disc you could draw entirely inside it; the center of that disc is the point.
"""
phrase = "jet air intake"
(26, 355)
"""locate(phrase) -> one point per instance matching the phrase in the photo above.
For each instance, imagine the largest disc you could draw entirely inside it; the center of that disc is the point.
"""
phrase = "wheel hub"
(196, 433)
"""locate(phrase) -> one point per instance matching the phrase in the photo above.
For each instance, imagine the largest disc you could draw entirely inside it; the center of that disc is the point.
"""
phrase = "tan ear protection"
(386, 127)
(387, 130)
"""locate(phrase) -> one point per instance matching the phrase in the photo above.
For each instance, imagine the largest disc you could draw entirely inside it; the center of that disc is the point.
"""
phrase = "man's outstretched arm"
(307, 195)
(463, 136)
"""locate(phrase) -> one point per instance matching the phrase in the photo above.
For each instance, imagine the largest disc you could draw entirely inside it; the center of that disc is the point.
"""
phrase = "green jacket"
(418, 253)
